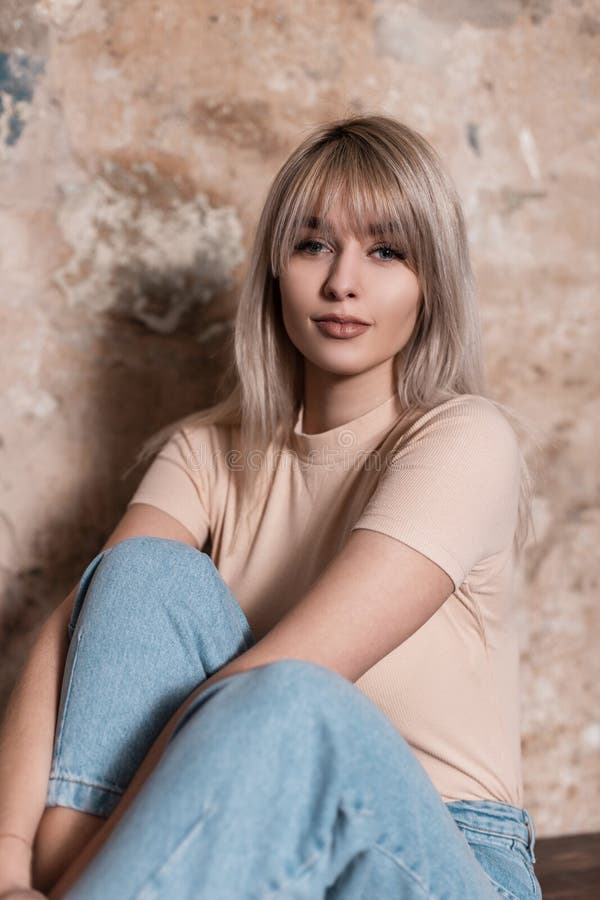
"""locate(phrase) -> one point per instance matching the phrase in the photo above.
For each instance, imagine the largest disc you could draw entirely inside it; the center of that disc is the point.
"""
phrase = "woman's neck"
(332, 401)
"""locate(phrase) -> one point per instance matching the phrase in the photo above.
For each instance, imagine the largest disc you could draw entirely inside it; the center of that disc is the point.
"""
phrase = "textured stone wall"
(137, 141)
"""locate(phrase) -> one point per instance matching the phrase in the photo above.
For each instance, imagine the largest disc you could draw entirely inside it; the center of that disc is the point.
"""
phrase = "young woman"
(292, 671)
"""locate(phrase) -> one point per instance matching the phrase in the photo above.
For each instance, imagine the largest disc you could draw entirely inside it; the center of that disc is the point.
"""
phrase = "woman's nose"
(343, 277)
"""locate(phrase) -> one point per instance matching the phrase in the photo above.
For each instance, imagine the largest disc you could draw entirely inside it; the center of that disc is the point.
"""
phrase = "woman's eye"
(311, 246)
(315, 248)
(389, 252)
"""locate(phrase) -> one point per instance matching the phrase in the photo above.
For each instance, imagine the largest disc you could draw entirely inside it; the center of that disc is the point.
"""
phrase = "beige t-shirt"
(448, 487)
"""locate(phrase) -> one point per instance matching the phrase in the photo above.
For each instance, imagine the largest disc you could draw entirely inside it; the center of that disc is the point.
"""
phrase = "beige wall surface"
(137, 141)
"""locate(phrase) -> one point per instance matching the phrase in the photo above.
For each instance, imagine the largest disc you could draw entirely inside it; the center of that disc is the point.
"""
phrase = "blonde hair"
(383, 170)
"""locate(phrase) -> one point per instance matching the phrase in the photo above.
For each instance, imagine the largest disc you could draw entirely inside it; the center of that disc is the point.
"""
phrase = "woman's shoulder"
(199, 445)
(465, 419)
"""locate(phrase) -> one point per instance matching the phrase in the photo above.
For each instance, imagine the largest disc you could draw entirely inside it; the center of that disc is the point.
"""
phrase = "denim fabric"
(502, 838)
(284, 781)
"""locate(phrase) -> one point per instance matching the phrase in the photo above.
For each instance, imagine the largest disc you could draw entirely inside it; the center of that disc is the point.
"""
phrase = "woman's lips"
(341, 330)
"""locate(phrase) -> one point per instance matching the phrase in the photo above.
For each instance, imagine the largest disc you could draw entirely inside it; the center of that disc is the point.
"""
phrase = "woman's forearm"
(26, 742)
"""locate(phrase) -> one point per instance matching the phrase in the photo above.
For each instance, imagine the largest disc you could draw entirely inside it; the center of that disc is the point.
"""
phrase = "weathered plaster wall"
(137, 141)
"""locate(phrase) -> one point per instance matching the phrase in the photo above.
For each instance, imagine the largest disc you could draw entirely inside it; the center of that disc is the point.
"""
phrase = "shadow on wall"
(150, 297)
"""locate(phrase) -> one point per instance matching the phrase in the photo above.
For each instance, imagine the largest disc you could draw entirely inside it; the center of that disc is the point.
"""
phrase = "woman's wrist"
(15, 861)
(13, 836)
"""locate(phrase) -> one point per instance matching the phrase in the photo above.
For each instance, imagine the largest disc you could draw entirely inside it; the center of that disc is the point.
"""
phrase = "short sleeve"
(173, 482)
(450, 489)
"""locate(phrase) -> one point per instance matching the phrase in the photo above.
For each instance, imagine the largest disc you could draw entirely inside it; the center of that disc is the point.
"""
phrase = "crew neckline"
(344, 441)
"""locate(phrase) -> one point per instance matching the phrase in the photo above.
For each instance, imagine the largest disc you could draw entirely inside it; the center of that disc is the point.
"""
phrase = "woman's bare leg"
(61, 836)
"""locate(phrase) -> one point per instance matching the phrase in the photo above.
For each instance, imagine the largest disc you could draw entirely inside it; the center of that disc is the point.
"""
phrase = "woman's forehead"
(339, 221)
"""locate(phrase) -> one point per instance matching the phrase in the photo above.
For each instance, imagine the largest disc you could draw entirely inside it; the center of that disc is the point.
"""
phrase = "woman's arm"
(26, 739)
(27, 731)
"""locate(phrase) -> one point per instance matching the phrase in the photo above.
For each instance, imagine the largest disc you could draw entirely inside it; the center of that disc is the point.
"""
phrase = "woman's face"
(345, 275)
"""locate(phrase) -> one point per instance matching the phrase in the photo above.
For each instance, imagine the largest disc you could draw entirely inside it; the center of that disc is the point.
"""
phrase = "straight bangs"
(368, 188)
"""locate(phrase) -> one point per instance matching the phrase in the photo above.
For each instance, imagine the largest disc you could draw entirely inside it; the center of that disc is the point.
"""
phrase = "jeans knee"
(302, 675)
(142, 570)
(316, 699)
(157, 551)
(304, 701)
(301, 686)
(157, 558)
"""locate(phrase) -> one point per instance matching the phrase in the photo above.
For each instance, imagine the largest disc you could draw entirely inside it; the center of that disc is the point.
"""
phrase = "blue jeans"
(284, 781)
